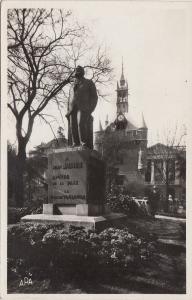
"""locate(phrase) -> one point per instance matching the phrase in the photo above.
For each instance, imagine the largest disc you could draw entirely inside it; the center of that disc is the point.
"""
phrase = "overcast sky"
(154, 40)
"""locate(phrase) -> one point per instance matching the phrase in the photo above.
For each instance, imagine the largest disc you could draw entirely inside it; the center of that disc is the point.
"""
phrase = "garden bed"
(112, 264)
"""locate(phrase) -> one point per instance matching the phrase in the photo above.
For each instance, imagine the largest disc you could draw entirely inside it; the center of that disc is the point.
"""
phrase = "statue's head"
(79, 72)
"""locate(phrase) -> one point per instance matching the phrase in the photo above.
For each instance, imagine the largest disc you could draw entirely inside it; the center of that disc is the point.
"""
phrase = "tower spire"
(122, 65)
(122, 79)
(122, 94)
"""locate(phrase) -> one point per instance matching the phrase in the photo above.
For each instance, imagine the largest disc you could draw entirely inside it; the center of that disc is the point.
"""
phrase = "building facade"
(123, 144)
(166, 169)
(125, 139)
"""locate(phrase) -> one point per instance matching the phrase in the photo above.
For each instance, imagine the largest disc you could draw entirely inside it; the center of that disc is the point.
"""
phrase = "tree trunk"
(167, 188)
(166, 197)
(20, 169)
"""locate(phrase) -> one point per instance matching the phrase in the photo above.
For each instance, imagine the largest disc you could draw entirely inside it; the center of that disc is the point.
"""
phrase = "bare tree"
(168, 158)
(44, 46)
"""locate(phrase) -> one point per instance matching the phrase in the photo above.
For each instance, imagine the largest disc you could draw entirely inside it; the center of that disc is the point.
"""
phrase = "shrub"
(135, 189)
(49, 251)
(125, 204)
(15, 214)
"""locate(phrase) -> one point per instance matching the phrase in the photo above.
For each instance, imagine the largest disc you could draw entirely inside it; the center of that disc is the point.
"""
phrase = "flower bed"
(48, 251)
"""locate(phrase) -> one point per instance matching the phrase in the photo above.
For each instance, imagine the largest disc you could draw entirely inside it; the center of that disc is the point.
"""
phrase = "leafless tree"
(44, 46)
(169, 158)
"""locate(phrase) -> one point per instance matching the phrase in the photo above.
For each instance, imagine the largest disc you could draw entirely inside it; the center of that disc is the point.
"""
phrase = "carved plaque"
(67, 178)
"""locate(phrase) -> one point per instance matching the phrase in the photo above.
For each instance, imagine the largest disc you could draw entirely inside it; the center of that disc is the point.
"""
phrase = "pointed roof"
(122, 79)
(143, 123)
(107, 120)
(100, 126)
(135, 119)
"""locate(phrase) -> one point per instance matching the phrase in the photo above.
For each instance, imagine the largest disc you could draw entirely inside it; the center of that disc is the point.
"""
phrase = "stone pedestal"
(89, 209)
(88, 222)
(48, 209)
(76, 181)
(76, 190)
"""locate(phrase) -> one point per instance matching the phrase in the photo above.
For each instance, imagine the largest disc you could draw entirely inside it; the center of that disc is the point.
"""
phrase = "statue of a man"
(81, 105)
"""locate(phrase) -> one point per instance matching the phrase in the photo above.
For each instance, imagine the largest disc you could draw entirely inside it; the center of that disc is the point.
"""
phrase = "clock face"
(120, 118)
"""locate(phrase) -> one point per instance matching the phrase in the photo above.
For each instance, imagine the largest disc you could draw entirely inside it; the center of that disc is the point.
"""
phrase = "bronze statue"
(81, 105)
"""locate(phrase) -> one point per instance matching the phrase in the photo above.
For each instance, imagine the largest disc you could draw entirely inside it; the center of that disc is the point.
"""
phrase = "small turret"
(106, 121)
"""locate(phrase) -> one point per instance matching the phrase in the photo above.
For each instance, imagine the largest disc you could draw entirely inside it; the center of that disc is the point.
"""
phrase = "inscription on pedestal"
(67, 178)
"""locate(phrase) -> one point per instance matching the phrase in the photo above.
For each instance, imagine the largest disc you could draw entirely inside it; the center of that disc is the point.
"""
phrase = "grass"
(161, 228)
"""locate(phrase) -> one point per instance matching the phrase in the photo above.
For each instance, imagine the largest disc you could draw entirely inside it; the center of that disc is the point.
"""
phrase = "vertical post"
(177, 179)
(152, 172)
(140, 163)
(164, 170)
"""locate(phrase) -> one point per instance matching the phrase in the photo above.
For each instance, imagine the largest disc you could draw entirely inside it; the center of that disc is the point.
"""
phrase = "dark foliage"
(119, 202)
(15, 214)
(48, 251)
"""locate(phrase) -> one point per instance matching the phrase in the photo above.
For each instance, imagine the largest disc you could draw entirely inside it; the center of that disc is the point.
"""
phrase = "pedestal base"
(78, 210)
(94, 223)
